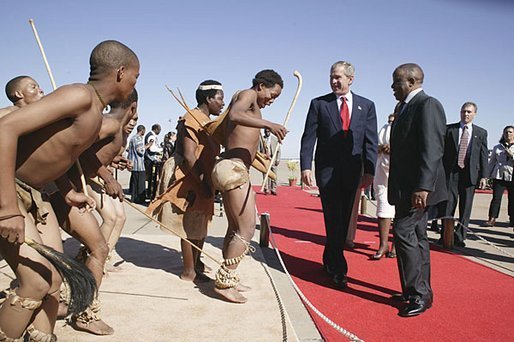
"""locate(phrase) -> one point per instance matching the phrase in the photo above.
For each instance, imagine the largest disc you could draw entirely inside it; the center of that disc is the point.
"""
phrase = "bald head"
(13, 86)
(23, 90)
(406, 78)
(110, 55)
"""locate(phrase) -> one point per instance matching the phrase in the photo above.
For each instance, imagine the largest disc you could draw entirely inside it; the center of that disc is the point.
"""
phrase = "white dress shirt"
(349, 102)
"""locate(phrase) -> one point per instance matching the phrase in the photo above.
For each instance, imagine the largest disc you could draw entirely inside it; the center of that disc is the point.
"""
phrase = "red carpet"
(471, 302)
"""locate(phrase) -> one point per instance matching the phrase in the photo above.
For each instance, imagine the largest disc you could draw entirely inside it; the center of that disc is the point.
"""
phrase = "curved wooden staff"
(274, 157)
(54, 86)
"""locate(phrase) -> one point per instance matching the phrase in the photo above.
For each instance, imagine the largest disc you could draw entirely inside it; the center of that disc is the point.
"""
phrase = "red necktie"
(345, 114)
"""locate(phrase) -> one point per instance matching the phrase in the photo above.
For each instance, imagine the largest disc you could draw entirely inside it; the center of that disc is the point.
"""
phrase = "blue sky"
(466, 48)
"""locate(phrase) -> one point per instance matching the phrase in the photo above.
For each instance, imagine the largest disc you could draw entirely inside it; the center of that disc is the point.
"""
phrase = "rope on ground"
(467, 228)
(349, 335)
(280, 304)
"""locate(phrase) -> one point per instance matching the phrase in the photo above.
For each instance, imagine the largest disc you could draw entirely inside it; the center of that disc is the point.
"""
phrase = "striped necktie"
(463, 147)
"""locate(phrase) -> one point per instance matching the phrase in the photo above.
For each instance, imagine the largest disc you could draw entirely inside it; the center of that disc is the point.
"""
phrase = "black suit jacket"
(477, 152)
(417, 148)
(339, 159)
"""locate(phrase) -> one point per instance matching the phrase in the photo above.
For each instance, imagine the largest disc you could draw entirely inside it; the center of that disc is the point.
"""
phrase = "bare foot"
(243, 288)
(94, 327)
(188, 275)
(62, 312)
(231, 294)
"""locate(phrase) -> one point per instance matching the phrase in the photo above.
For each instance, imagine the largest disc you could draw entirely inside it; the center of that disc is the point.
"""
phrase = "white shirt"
(154, 147)
(349, 102)
(411, 95)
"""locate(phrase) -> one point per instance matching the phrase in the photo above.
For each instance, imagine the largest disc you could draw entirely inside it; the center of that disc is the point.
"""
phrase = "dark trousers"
(412, 250)
(271, 184)
(462, 191)
(137, 186)
(337, 207)
(499, 187)
(153, 169)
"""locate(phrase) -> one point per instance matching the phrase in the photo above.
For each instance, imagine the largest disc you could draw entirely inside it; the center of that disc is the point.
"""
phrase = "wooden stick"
(31, 22)
(171, 230)
(54, 86)
(274, 157)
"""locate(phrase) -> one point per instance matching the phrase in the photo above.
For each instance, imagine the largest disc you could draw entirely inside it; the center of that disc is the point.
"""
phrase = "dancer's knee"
(109, 218)
(36, 288)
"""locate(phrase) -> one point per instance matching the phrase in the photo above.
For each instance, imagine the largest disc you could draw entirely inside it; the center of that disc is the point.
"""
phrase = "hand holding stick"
(274, 157)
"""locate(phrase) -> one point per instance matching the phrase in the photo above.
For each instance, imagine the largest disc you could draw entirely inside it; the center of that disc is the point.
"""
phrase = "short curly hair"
(268, 77)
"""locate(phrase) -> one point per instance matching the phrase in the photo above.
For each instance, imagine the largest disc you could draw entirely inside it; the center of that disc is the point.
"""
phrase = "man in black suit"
(416, 182)
(344, 125)
(465, 163)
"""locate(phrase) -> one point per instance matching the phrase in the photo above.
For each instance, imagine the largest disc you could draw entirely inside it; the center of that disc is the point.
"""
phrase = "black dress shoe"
(329, 270)
(340, 280)
(416, 307)
(399, 297)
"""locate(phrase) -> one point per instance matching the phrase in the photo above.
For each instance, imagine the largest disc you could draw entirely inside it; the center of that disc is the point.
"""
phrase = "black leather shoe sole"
(398, 297)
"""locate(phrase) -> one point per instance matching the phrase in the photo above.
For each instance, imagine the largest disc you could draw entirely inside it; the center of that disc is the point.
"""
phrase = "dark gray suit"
(417, 147)
(461, 183)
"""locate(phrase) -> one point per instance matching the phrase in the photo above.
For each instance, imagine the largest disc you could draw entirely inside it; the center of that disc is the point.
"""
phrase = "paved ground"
(147, 301)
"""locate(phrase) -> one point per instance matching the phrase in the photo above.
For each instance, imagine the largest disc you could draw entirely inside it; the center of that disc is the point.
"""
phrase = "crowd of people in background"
(420, 168)
(148, 155)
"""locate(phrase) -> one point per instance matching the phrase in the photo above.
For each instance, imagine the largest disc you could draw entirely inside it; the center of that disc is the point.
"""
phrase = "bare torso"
(243, 141)
(45, 155)
(107, 149)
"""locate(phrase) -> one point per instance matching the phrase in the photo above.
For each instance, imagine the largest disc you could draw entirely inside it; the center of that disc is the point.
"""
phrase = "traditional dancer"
(21, 91)
(109, 152)
(38, 143)
(85, 227)
(231, 174)
(185, 198)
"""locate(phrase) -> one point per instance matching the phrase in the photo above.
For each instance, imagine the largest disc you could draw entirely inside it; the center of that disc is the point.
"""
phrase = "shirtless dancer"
(231, 174)
(21, 91)
(38, 143)
(124, 117)
(111, 209)
(84, 226)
